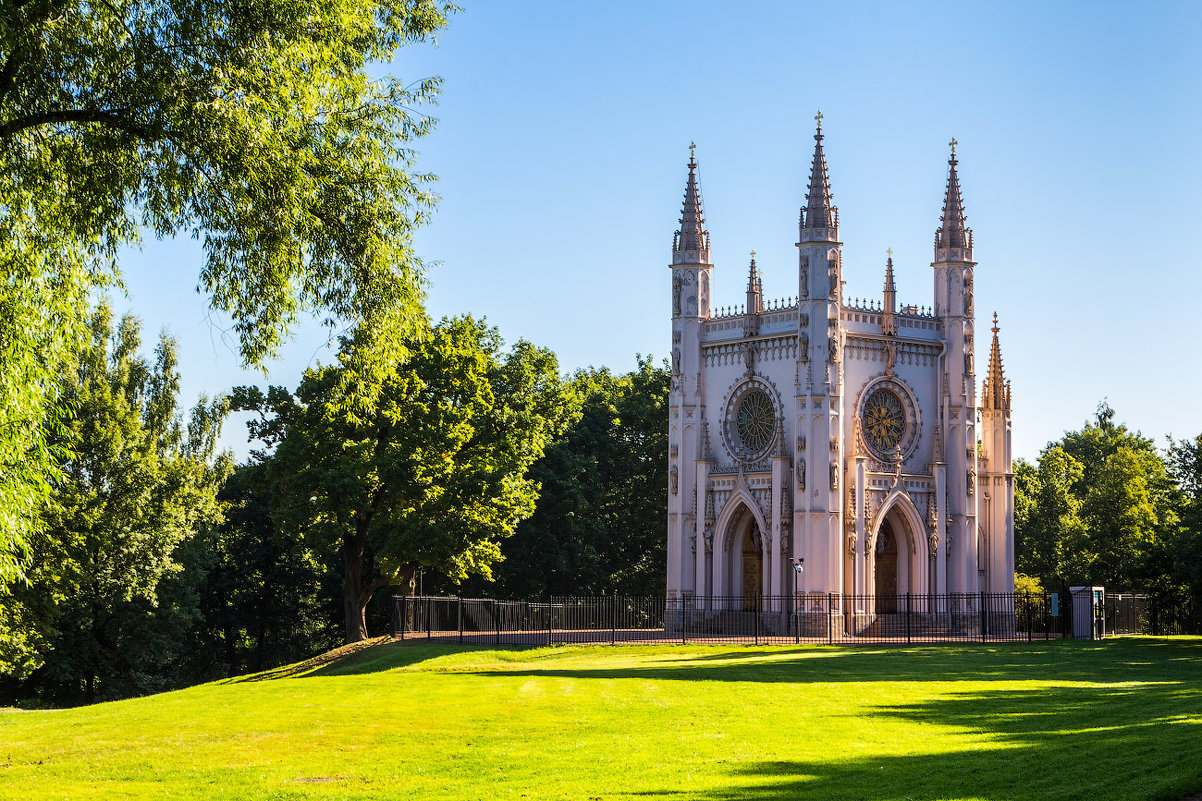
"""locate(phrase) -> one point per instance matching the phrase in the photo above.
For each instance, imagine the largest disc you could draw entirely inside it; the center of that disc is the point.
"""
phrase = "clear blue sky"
(563, 136)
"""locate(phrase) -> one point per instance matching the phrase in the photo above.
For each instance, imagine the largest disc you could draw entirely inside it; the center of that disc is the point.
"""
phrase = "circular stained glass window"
(755, 420)
(883, 420)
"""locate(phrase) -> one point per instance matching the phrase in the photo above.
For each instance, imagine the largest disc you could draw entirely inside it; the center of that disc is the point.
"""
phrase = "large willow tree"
(254, 126)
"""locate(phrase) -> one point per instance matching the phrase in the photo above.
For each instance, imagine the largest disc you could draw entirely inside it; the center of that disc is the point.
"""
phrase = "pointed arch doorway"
(885, 572)
(753, 565)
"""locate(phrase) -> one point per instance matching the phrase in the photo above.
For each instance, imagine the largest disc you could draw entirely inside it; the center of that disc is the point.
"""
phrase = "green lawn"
(1116, 719)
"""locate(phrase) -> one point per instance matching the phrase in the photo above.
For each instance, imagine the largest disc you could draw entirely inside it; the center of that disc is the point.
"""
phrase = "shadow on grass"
(1139, 740)
(1108, 661)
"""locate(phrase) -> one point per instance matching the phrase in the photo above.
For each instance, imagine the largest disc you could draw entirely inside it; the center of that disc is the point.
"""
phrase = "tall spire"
(953, 240)
(889, 321)
(997, 388)
(820, 214)
(691, 244)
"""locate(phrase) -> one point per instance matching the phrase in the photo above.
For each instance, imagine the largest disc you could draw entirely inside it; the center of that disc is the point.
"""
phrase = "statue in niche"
(834, 476)
(805, 346)
(933, 541)
(832, 348)
(805, 277)
(972, 480)
(705, 290)
(851, 544)
(968, 363)
(832, 268)
(890, 355)
(801, 474)
(676, 360)
(675, 480)
(676, 290)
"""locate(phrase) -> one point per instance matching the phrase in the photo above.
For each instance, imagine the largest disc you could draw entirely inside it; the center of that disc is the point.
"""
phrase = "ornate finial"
(953, 144)
(995, 328)
(818, 119)
(890, 252)
(692, 149)
(753, 259)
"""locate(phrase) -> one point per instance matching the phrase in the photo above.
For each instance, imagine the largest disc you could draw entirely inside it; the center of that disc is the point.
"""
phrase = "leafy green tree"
(433, 477)
(254, 127)
(1101, 508)
(599, 523)
(1185, 466)
(262, 600)
(137, 485)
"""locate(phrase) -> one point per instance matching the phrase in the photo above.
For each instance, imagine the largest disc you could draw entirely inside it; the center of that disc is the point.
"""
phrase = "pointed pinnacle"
(691, 238)
(819, 209)
(996, 395)
(953, 232)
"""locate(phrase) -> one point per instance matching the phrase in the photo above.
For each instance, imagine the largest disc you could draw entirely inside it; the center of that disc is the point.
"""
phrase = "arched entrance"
(900, 558)
(885, 573)
(753, 565)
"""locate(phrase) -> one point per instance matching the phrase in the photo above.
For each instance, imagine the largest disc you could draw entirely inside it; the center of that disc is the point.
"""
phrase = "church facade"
(846, 438)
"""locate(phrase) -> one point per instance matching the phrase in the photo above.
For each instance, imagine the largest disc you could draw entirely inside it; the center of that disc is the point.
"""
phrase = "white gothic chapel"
(844, 437)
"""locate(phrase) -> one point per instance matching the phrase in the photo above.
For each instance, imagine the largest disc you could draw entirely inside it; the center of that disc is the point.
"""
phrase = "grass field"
(1116, 719)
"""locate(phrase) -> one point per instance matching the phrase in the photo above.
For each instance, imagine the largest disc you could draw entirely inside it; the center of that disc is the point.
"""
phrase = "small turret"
(997, 388)
(889, 309)
(755, 289)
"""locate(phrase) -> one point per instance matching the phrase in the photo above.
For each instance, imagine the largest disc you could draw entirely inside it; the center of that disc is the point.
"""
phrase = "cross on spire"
(818, 119)
(953, 144)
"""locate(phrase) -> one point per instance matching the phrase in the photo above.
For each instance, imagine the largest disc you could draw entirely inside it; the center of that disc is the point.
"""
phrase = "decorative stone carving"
(675, 480)
(801, 474)
(832, 269)
(834, 476)
(805, 346)
(972, 480)
(851, 543)
(673, 450)
(933, 542)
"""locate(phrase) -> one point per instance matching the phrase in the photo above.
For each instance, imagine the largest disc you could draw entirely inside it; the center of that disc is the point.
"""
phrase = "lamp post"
(799, 566)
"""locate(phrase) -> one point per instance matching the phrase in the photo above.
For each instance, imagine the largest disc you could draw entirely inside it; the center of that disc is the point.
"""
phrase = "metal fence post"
(982, 602)
(830, 618)
(684, 635)
(1028, 597)
(400, 619)
(550, 623)
(460, 619)
(613, 619)
(908, 618)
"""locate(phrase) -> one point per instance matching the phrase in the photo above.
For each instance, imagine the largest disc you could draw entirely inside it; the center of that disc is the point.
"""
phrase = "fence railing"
(810, 618)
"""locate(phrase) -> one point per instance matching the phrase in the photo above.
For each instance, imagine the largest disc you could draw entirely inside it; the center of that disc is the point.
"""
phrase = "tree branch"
(110, 117)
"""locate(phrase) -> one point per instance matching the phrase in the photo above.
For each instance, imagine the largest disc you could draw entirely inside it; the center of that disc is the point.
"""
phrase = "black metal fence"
(810, 618)
(1132, 613)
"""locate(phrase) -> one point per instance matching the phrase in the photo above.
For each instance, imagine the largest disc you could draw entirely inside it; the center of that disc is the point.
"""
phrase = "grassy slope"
(1042, 721)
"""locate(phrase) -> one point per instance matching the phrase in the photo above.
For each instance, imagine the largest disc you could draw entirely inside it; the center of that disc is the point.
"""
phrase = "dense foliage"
(434, 476)
(254, 127)
(138, 484)
(599, 524)
(1103, 507)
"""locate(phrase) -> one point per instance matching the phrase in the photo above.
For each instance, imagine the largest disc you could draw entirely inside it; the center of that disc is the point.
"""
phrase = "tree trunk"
(353, 607)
